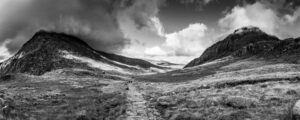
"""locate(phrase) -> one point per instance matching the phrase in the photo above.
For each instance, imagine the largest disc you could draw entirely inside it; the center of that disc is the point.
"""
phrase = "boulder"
(291, 92)
(240, 102)
(186, 116)
(166, 101)
(296, 111)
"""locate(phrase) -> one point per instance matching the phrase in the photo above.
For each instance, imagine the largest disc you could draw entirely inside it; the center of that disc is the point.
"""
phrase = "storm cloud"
(95, 21)
(163, 29)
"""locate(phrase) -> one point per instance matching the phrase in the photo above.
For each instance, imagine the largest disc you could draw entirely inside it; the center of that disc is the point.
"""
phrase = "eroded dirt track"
(137, 106)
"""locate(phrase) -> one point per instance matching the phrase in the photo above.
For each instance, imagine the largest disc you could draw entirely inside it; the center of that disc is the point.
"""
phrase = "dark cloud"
(95, 21)
(198, 4)
(195, 1)
(282, 6)
(141, 11)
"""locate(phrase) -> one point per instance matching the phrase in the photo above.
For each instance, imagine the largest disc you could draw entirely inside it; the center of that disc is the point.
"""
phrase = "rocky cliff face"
(45, 52)
(287, 50)
(247, 42)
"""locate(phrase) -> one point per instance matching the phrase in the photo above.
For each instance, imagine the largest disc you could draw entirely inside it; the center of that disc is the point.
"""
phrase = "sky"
(170, 30)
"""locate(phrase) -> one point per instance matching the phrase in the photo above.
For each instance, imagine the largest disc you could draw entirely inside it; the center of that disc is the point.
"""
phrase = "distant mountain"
(166, 64)
(128, 61)
(250, 42)
(47, 51)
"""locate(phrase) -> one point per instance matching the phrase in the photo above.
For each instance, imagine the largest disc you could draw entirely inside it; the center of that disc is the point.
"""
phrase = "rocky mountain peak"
(53, 41)
(47, 51)
(42, 53)
(245, 41)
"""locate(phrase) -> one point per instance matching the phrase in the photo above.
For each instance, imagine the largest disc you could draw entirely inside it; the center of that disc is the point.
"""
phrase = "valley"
(260, 92)
(247, 76)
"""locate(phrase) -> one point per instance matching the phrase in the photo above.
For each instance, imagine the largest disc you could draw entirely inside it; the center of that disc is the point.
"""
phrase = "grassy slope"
(183, 75)
(59, 95)
(249, 88)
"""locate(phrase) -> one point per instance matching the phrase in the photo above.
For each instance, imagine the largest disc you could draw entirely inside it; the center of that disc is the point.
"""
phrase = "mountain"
(166, 64)
(249, 42)
(47, 51)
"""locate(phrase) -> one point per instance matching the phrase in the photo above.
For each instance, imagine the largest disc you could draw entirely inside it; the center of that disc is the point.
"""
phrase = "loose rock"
(166, 101)
(296, 111)
(240, 102)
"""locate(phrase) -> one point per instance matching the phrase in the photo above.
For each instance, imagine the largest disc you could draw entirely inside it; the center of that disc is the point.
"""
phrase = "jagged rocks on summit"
(246, 30)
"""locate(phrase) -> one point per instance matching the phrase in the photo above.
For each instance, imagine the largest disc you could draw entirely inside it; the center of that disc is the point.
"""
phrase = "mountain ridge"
(251, 42)
(47, 51)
